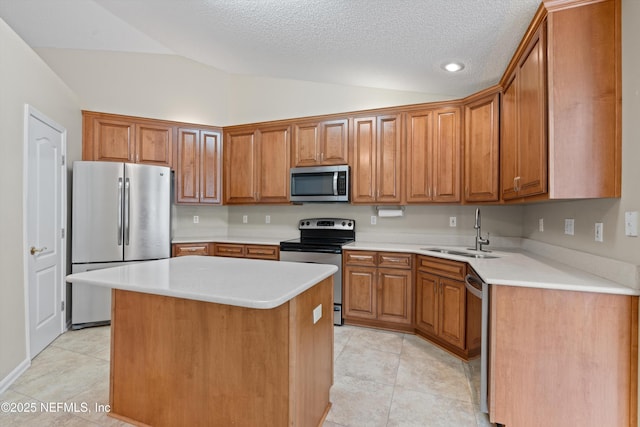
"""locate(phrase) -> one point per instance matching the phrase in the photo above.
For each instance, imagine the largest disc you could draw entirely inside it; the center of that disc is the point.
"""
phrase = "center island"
(219, 341)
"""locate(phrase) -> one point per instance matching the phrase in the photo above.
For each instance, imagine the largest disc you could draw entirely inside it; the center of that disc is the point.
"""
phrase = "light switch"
(598, 232)
(317, 314)
(631, 224)
(569, 226)
(374, 219)
(541, 225)
(452, 221)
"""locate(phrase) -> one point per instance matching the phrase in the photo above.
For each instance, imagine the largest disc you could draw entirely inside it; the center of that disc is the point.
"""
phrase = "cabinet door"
(306, 145)
(182, 249)
(210, 166)
(271, 252)
(239, 167)
(188, 166)
(532, 105)
(427, 289)
(395, 296)
(419, 152)
(389, 159)
(113, 140)
(229, 250)
(273, 161)
(334, 146)
(363, 174)
(154, 144)
(446, 156)
(509, 140)
(481, 150)
(359, 293)
(452, 307)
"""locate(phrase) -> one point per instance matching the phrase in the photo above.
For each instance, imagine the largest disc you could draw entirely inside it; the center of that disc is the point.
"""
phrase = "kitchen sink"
(460, 253)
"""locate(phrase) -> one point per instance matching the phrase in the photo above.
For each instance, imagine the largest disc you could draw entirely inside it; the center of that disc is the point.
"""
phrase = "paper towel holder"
(390, 211)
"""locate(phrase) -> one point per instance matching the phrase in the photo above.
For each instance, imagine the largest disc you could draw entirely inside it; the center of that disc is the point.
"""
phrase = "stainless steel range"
(320, 242)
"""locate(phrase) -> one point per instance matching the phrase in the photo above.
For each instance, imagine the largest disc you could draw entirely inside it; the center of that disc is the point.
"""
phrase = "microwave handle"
(335, 183)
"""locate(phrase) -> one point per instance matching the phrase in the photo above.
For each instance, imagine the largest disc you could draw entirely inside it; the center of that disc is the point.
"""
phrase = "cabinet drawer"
(182, 249)
(365, 258)
(231, 250)
(442, 267)
(262, 252)
(394, 260)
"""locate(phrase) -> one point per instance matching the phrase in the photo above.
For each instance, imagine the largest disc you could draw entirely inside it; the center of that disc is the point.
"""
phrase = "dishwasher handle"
(470, 281)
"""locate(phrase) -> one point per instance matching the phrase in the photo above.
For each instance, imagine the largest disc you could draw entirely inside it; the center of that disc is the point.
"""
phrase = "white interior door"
(45, 220)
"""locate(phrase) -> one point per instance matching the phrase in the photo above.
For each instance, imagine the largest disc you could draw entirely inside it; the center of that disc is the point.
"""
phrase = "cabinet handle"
(516, 183)
(429, 192)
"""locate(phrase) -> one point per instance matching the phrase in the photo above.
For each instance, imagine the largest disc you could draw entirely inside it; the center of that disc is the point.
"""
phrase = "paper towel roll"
(390, 212)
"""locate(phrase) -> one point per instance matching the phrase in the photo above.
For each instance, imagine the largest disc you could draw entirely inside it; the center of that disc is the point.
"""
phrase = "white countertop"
(514, 267)
(245, 240)
(232, 281)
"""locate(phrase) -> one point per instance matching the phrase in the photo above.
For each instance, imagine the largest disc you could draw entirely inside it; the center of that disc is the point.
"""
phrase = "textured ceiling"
(391, 44)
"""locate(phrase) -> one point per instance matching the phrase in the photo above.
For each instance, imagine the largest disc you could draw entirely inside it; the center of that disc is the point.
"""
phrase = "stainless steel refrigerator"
(121, 213)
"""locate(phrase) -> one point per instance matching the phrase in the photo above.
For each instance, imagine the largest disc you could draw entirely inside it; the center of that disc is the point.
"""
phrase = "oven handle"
(319, 251)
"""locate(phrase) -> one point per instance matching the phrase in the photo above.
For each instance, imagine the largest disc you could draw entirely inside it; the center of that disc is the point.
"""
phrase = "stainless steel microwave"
(320, 184)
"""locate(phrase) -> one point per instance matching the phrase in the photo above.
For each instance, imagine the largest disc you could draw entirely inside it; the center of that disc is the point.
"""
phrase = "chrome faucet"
(479, 240)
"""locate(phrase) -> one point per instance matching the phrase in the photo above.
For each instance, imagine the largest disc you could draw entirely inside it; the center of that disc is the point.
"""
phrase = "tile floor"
(381, 379)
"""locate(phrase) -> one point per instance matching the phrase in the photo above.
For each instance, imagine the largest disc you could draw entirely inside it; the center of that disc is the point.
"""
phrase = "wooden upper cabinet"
(273, 173)
(433, 155)
(481, 149)
(108, 139)
(240, 167)
(127, 139)
(524, 109)
(256, 165)
(199, 166)
(154, 144)
(561, 109)
(377, 160)
(585, 93)
(320, 143)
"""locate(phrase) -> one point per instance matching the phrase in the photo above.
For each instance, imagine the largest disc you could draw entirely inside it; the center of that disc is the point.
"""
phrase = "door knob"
(37, 251)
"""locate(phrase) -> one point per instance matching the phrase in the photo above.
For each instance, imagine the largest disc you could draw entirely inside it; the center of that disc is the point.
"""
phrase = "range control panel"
(327, 224)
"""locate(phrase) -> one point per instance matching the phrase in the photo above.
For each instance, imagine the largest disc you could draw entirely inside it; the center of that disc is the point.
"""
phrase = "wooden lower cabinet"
(376, 294)
(235, 250)
(562, 358)
(182, 249)
(445, 312)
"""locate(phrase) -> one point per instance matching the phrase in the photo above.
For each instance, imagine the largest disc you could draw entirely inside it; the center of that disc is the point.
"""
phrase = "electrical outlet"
(196, 219)
(598, 232)
(245, 219)
(569, 226)
(631, 224)
(452, 221)
(317, 314)
(374, 220)
(267, 219)
(541, 225)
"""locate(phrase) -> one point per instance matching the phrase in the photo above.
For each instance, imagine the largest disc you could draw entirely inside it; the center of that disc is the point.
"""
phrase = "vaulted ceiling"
(390, 44)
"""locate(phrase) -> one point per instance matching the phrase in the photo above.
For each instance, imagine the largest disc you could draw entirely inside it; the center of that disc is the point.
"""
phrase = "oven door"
(322, 258)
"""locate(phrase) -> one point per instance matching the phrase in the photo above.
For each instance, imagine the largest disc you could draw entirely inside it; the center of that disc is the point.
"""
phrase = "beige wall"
(610, 212)
(25, 79)
(147, 85)
(173, 88)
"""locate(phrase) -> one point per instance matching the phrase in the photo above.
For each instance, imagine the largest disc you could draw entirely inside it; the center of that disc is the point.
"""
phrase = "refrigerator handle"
(127, 207)
(119, 211)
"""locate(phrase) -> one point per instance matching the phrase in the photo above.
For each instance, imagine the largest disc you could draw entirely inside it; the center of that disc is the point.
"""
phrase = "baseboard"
(6, 382)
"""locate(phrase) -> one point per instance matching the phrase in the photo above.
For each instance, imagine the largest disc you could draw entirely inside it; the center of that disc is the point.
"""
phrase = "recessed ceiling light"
(452, 67)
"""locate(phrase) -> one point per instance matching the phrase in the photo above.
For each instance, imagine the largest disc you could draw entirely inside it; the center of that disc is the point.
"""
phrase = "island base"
(184, 362)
